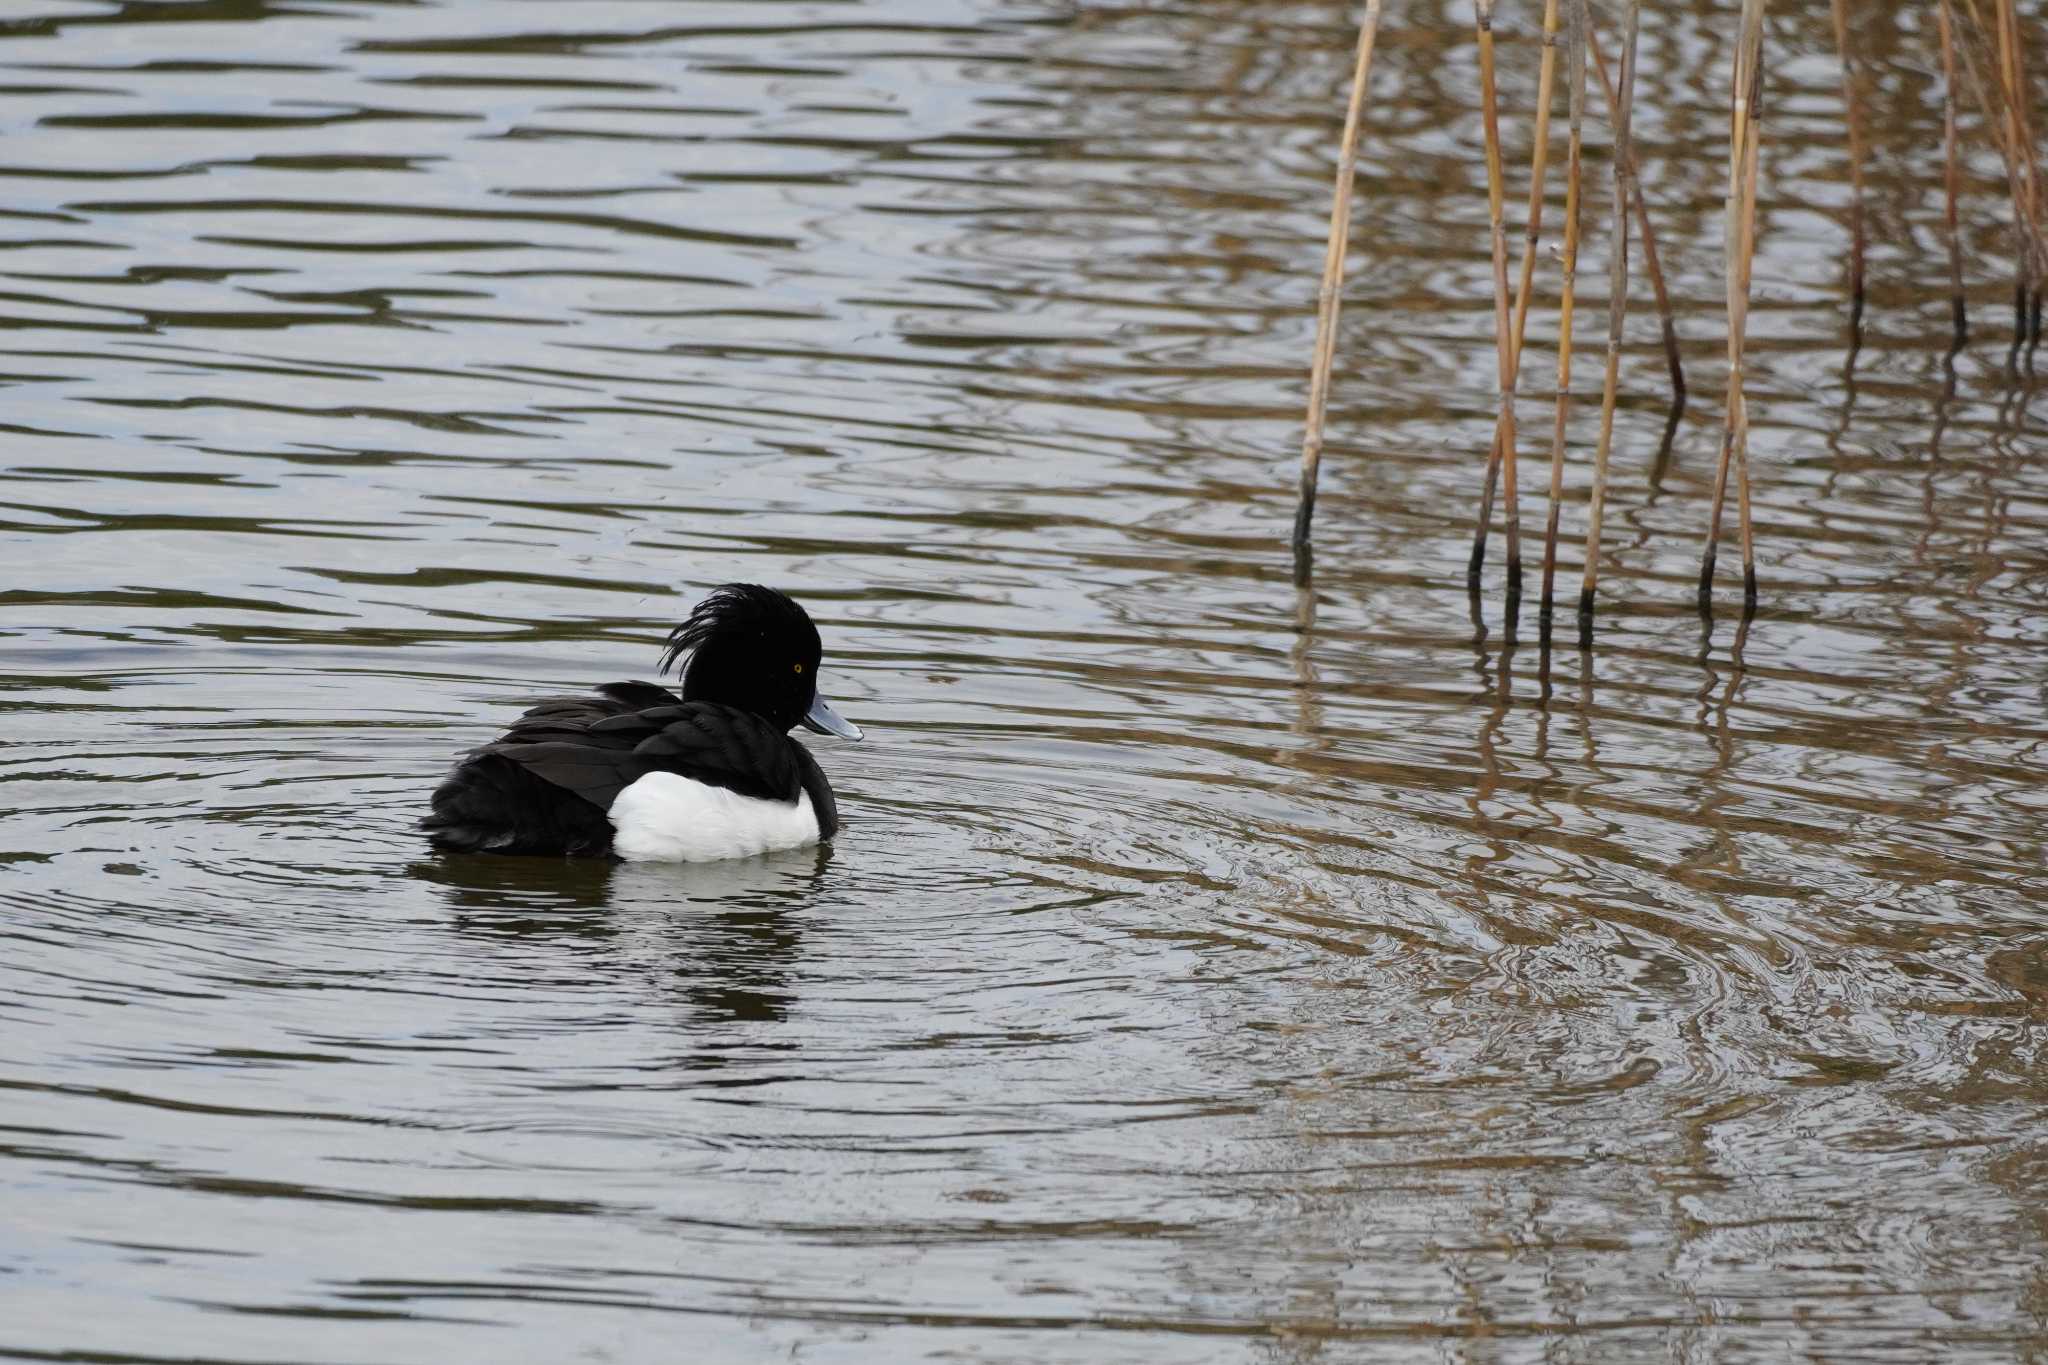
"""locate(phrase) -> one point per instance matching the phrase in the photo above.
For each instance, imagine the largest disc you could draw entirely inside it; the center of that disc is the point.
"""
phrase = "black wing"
(574, 714)
(597, 751)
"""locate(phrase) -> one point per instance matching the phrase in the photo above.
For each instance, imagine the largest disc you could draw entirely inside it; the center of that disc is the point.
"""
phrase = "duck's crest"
(731, 609)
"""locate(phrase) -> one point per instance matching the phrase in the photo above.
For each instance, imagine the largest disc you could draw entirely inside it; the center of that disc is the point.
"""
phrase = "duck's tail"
(490, 804)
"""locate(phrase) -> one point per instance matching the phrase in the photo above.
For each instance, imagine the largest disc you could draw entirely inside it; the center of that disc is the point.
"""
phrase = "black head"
(754, 648)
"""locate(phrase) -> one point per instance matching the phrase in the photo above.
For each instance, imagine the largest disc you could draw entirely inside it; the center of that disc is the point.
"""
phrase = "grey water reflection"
(1211, 968)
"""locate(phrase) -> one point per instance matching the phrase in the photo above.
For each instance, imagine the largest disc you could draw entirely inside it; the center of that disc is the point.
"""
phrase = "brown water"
(1206, 972)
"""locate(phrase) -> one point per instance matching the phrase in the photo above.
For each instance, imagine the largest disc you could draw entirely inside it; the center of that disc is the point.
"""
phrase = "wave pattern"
(1210, 970)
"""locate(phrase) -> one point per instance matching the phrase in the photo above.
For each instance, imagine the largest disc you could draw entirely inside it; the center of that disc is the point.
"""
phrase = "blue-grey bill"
(826, 721)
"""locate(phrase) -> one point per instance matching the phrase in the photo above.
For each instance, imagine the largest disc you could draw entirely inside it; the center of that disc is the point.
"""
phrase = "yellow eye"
(799, 668)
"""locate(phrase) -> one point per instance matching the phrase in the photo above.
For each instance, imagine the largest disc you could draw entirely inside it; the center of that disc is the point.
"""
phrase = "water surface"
(1208, 970)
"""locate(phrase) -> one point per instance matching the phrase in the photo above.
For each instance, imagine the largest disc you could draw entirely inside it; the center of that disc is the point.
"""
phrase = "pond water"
(1208, 970)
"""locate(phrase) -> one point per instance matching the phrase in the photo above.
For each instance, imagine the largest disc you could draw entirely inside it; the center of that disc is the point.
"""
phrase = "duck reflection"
(721, 935)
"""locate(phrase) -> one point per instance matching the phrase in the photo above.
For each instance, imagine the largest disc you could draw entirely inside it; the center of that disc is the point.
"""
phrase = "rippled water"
(1207, 971)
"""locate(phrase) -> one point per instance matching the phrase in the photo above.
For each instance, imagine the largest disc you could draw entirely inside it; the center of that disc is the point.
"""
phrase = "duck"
(638, 773)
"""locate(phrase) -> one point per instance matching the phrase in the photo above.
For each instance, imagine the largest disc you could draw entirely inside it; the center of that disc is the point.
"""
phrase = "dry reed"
(1853, 110)
(1539, 162)
(1653, 265)
(1995, 41)
(1567, 296)
(1503, 330)
(1741, 324)
(1328, 300)
(2020, 126)
(1958, 309)
(1743, 146)
(2000, 123)
(1617, 312)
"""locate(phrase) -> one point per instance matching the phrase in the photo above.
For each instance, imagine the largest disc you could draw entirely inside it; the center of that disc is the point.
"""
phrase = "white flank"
(665, 817)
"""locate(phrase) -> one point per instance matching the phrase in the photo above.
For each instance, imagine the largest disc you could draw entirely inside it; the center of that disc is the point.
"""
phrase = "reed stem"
(1329, 298)
(1539, 166)
(1951, 179)
(1502, 451)
(2019, 103)
(2029, 277)
(1539, 162)
(1504, 336)
(1858, 239)
(1575, 48)
(2001, 121)
(1617, 311)
(1752, 156)
(1653, 265)
(1743, 149)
